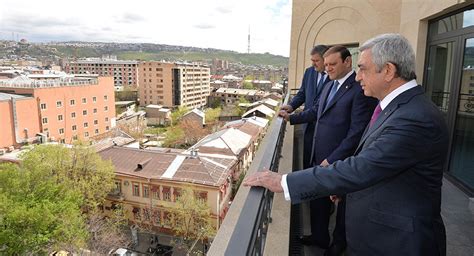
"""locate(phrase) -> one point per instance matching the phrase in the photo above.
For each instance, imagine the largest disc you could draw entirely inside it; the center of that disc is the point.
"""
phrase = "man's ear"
(390, 71)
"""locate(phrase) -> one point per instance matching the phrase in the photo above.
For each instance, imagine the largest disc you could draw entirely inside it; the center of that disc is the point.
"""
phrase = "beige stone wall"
(355, 21)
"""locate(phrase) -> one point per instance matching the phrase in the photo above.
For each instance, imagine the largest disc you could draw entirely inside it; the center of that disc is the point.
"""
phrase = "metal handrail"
(248, 237)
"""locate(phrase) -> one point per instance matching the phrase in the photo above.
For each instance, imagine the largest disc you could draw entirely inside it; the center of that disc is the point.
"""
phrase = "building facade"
(442, 34)
(148, 183)
(173, 84)
(63, 110)
(124, 72)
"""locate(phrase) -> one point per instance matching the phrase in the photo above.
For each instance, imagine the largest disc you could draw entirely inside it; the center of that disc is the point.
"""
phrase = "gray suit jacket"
(393, 182)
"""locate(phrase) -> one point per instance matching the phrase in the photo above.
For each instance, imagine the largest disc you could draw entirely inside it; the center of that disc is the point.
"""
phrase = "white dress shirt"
(383, 104)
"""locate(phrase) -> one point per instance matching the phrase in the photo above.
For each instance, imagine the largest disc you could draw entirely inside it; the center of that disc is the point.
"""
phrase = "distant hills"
(129, 51)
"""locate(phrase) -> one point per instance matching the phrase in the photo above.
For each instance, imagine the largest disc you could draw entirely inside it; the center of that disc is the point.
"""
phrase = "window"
(146, 191)
(74, 127)
(107, 128)
(96, 131)
(136, 213)
(106, 108)
(166, 194)
(43, 106)
(84, 112)
(86, 124)
(86, 134)
(74, 137)
(94, 99)
(45, 120)
(72, 102)
(105, 97)
(106, 119)
(60, 117)
(96, 122)
(61, 131)
(84, 100)
(118, 186)
(94, 110)
(73, 115)
(155, 191)
(59, 103)
(63, 141)
(136, 189)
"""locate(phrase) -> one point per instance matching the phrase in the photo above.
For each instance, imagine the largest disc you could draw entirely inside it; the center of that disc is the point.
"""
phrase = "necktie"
(321, 79)
(375, 115)
(332, 92)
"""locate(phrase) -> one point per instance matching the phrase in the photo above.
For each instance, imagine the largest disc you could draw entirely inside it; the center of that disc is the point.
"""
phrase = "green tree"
(50, 200)
(174, 137)
(177, 114)
(212, 114)
(191, 218)
(79, 167)
(38, 214)
(248, 85)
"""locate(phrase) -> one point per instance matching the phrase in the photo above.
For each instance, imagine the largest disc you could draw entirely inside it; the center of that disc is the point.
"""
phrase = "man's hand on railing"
(285, 115)
(266, 179)
(287, 108)
(335, 198)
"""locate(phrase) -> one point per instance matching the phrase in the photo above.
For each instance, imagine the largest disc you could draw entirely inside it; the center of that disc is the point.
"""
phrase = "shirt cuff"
(284, 185)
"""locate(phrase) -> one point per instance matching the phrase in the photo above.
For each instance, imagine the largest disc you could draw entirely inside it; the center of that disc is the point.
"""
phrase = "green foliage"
(191, 218)
(174, 137)
(80, 168)
(177, 114)
(37, 213)
(248, 85)
(215, 102)
(242, 99)
(212, 114)
(46, 200)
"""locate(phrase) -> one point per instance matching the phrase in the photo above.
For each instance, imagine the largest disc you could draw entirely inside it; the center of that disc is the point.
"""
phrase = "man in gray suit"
(393, 181)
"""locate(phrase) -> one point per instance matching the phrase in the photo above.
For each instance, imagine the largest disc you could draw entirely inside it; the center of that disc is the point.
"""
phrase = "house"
(158, 115)
(260, 111)
(195, 116)
(148, 183)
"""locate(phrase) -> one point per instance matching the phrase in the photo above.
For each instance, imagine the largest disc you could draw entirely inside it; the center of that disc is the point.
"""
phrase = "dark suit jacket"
(340, 125)
(308, 93)
(393, 182)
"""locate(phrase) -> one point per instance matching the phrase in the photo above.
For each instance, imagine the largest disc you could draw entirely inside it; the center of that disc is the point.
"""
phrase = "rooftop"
(181, 167)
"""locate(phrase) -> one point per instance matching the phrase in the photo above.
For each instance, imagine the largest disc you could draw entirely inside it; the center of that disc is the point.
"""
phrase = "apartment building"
(124, 72)
(149, 182)
(63, 110)
(173, 84)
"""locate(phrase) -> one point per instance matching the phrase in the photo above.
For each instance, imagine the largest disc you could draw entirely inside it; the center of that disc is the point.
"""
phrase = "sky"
(221, 24)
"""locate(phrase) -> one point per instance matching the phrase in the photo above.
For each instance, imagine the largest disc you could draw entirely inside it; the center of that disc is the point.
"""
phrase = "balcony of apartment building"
(262, 223)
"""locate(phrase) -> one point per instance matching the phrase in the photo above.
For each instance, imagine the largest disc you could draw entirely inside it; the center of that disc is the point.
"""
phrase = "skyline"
(205, 24)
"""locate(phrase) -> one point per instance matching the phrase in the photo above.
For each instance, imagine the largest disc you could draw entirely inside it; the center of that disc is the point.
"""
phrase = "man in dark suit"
(393, 181)
(341, 115)
(314, 80)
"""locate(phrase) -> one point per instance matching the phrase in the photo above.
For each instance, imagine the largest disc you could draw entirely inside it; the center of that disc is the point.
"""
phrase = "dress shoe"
(309, 240)
(335, 250)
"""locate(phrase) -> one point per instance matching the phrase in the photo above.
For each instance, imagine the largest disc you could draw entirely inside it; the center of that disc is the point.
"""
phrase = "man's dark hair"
(319, 49)
(340, 49)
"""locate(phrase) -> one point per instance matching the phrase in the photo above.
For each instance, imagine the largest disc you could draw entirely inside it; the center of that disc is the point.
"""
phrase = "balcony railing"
(245, 227)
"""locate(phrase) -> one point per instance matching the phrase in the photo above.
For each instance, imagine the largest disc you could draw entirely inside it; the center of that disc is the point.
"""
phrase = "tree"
(50, 200)
(212, 114)
(191, 218)
(177, 114)
(80, 168)
(174, 137)
(248, 85)
(106, 233)
(37, 214)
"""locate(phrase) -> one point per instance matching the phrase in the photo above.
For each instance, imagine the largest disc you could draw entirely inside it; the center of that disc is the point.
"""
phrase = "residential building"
(65, 109)
(148, 183)
(232, 96)
(157, 115)
(124, 72)
(173, 84)
(196, 116)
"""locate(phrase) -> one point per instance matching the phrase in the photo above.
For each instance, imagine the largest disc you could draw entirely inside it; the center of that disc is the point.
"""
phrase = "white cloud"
(221, 24)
